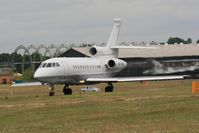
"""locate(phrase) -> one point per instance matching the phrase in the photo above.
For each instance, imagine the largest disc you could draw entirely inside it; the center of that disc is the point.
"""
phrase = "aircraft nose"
(36, 75)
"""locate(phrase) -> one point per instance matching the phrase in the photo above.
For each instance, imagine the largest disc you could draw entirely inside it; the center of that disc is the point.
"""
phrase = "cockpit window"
(53, 65)
(41, 65)
(49, 65)
(44, 65)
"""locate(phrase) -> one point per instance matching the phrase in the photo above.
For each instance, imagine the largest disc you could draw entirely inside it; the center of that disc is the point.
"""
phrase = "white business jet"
(101, 67)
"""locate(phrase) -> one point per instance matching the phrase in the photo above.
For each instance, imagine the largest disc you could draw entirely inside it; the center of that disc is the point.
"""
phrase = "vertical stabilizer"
(114, 34)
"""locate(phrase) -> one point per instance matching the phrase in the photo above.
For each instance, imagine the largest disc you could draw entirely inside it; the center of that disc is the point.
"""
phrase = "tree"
(189, 41)
(36, 57)
(27, 75)
(16, 57)
(5, 57)
(173, 40)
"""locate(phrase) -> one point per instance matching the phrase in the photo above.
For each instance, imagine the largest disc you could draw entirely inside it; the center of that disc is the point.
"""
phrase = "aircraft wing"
(27, 84)
(133, 79)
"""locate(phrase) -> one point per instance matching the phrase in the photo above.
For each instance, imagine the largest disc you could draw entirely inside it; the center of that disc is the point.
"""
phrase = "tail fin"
(114, 34)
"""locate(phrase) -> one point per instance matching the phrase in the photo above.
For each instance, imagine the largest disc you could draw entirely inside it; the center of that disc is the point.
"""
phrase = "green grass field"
(155, 107)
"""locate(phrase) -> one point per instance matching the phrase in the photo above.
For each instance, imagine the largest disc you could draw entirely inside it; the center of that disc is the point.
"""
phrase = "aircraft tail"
(109, 50)
(114, 34)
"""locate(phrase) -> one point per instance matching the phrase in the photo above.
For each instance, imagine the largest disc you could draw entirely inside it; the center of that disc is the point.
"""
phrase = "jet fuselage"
(75, 71)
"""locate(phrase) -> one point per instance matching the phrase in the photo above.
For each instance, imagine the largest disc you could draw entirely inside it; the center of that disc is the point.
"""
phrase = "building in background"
(6, 76)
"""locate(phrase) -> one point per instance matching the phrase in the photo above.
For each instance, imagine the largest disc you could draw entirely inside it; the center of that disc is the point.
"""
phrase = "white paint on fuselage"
(74, 70)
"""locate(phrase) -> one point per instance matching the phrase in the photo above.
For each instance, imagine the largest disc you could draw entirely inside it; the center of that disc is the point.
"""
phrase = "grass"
(160, 107)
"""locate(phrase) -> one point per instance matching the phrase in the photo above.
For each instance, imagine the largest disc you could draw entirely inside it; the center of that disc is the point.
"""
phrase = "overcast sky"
(75, 21)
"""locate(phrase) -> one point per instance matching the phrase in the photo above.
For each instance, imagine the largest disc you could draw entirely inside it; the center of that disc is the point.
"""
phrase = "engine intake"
(115, 64)
(93, 51)
(111, 63)
(101, 51)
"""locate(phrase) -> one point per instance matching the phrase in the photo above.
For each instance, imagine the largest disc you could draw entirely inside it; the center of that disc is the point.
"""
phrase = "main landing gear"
(67, 90)
(109, 88)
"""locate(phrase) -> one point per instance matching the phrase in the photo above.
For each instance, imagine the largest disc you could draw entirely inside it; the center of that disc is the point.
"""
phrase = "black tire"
(106, 89)
(70, 91)
(51, 93)
(109, 89)
(67, 91)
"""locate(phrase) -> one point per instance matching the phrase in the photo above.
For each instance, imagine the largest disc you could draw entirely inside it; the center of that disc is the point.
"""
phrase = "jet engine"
(111, 63)
(101, 51)
(116, 64)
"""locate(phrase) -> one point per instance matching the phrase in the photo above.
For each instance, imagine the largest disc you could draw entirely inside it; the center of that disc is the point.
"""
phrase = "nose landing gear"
(67, 90)
(51, 88)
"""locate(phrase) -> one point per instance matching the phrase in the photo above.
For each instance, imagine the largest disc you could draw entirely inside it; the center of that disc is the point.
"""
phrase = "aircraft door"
(64, 67)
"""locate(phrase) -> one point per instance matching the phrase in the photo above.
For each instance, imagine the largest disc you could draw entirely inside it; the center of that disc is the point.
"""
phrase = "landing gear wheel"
(51, 93)
(51, 88)
(67, 90)
(70, 91)
(108, 89)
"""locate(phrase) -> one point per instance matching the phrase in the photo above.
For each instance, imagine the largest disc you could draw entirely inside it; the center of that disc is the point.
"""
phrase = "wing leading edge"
(133, 79)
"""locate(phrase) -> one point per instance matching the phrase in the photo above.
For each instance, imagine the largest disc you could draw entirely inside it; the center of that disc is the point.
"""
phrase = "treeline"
(18, 60)
(13, 57)
(177, 40)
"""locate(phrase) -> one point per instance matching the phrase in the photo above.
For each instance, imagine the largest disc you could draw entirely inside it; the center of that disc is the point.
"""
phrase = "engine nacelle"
(101, 51)
(116, 64)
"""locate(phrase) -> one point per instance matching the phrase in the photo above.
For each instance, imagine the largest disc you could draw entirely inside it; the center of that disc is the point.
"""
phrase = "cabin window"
(54, 64)
(49, 65)
(57, 65)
